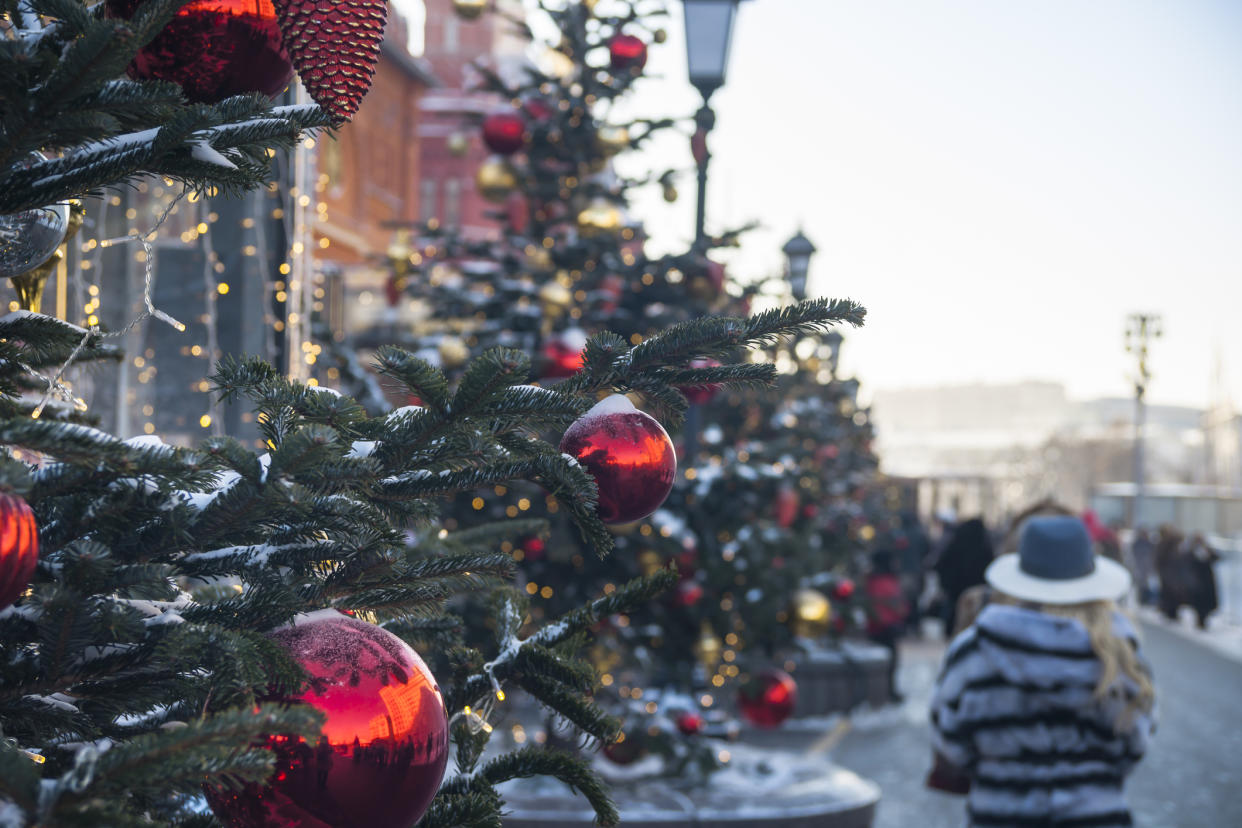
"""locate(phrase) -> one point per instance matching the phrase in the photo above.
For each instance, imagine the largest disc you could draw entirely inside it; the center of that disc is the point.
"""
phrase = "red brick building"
(451, 45)
(369, 175)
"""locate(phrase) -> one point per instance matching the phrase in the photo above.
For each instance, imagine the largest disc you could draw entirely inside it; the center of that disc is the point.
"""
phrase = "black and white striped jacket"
(1014, 707)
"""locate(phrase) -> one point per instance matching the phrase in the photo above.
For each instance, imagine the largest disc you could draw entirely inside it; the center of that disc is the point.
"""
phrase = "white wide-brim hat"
(1055, 564)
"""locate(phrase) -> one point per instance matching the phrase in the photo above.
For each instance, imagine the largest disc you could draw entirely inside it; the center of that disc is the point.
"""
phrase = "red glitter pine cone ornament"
(382, 752)
(334, 45)
(767, 699)
(213, 49)
(19, 547)
(628, 453)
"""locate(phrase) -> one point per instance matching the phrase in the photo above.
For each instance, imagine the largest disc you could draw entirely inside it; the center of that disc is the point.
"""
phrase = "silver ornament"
(29, 238)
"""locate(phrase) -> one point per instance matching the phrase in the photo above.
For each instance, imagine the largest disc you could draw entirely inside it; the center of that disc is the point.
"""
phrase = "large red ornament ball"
(628, 453)
(562, 356)
(626, 52)
(19, 547)
(384, 745)
(214, 49)
(767, 698)
(504, 132)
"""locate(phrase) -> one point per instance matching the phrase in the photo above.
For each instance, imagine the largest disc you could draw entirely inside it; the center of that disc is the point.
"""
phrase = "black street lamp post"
(798, 251)
(709, 30)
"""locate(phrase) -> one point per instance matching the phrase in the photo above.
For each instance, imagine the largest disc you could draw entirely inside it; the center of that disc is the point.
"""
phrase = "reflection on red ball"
(538, 109)
(214, 49)
(384, 744)
(19, 547)
(628, 453)
(689, 723)
(504, 132)
(844, 588)
(626, 52)
(767, 698)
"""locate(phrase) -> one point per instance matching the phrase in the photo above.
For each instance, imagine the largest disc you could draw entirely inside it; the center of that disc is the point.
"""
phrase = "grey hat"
(1055, 565)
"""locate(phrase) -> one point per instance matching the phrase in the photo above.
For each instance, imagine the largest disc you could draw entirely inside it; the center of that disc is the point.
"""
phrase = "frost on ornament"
(628, 453)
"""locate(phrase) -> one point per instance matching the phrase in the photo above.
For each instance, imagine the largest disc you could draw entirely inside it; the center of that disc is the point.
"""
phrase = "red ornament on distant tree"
(214, 49)
(504, 132)
(787, 503)
(628, 453)
(700, 394)
(532, 548)
(562, 356)
(844, 588)
(384, 744)
(688, 593)
(19, 547)
(767, 698)
(689, 723)
(538, 109)
(625, 752)
(334, 46)
(626, 52)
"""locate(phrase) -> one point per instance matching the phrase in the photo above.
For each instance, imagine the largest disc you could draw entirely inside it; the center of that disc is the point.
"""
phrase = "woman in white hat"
(1044, 704)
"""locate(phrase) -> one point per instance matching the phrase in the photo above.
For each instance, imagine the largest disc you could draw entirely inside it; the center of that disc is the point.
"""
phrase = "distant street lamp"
(709, 31)
(798, 251)
(1141, 328)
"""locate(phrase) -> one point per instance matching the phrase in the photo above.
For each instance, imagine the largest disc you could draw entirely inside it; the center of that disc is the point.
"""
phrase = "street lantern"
(798, 251)
(709, 30)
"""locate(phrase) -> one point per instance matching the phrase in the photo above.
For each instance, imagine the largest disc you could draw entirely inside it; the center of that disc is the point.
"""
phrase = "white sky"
(999, 182)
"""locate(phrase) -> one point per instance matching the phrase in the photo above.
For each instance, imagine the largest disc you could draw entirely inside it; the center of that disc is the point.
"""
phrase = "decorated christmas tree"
(288, 634)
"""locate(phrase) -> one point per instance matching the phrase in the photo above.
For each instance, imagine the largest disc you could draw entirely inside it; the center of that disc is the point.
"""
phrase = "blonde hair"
(1118, 655)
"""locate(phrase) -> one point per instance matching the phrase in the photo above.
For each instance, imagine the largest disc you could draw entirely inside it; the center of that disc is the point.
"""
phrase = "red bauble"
(504, 132)
(335, 47)
(19, 547)
(562, 357)
(687, 593)
(533, 548)
(625, 752)
(786, 506)
(700, 394)
(214, 49)
(689, 723)
(844, 588)
(628, 453)
(767, 698)
(384, 745)
(539, 109)
(626, 52)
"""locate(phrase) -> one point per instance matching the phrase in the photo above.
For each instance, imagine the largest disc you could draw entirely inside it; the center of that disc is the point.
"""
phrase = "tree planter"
(759, 789)
(839, 679)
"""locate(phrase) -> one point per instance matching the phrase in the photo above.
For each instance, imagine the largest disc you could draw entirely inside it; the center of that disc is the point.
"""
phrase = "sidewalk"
(1222, 636)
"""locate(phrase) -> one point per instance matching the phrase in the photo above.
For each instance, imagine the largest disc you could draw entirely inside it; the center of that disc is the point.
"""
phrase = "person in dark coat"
(961, 565)
(1172, 571)
(1199, 560)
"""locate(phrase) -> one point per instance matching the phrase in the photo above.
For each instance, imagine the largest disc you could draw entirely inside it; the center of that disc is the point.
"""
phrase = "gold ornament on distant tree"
(670, 193)
(600, 217)
(709, 648)
(659, 35)
(458, 144)
(453, 352)
(610, 140)
(809, 613)
(555, 297)
(469, 9)
(495, 179)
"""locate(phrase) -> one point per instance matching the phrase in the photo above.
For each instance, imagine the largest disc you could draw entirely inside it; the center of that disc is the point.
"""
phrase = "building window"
(427, 199)
(452, 202)
(450, 35)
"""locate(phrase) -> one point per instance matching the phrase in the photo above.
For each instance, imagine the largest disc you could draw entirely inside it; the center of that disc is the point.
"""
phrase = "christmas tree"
(282, 634)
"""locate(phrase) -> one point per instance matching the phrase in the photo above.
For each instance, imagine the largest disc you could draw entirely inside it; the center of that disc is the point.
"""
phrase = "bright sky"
(999, 182)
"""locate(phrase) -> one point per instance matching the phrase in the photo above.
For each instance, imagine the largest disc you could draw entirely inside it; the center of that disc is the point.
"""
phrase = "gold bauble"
(809, 613)
(709, 648)
(453, 352)
(670, 193)
(458, 144)
(599, 217)
(610, 140)
(539, 259)
(589, 5)
(469, 9)
(659, 35)
(495, 179)
(555, 296)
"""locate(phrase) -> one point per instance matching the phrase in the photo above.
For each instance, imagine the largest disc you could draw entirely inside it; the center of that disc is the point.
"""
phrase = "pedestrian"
(1173, 571)
(1045, 703)
(961, 565)
(1200, 560)
(1143, 560)
(887, 611)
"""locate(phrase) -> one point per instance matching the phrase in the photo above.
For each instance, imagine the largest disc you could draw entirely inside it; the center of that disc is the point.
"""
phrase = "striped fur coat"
(1014, 708)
